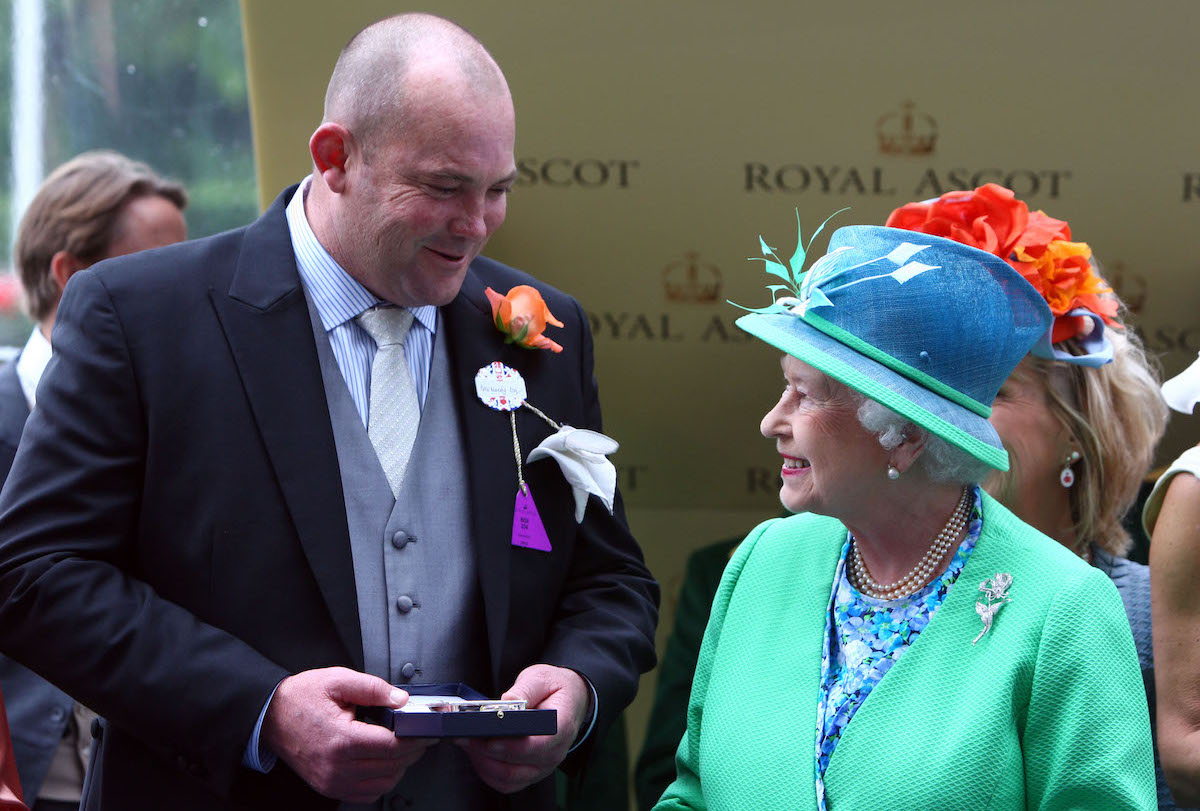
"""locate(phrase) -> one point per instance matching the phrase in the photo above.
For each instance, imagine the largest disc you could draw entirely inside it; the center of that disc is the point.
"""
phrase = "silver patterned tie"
(394, 415)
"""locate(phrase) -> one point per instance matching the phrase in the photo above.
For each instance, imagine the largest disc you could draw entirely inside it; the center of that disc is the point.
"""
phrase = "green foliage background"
(163, 81)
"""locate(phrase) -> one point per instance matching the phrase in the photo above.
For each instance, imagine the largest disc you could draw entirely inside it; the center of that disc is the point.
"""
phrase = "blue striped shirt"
(339, 299)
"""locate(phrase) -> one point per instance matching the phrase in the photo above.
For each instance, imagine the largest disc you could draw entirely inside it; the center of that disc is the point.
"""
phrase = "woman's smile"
(794, 466)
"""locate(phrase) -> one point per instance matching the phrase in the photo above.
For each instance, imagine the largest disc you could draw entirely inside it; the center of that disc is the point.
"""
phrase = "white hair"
(940, 461)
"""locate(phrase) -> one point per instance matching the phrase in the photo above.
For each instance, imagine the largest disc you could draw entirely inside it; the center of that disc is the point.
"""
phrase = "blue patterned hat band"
(1097, 348)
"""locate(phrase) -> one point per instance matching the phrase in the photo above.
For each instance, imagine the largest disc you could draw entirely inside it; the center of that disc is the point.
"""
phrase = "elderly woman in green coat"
(904, 641)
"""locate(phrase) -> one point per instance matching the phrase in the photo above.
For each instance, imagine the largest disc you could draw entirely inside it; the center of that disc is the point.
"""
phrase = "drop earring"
(1066, 476)
(893, 473)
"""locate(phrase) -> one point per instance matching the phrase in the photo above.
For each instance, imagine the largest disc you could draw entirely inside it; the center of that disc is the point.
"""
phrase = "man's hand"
(511, 764)
(310, 725)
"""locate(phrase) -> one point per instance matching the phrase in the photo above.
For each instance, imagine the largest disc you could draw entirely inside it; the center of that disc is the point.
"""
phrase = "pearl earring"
(893, 473)
(1066, 477)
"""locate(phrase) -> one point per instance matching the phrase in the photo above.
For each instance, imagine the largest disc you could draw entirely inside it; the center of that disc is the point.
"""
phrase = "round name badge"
(500, 387)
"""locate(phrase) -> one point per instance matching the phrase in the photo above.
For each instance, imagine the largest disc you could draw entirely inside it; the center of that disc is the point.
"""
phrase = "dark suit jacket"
(173, 539)
(38, 712)
(13, 413)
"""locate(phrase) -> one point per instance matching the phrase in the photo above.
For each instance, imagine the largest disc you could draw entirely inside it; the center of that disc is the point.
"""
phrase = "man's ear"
(64, 265)
(330, 147)
(907, 452)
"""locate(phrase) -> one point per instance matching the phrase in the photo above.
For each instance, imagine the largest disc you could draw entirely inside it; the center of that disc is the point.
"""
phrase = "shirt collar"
(336, 294)
(32, 363)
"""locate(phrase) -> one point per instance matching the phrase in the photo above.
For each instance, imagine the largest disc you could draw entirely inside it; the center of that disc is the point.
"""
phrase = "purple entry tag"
(528, 530)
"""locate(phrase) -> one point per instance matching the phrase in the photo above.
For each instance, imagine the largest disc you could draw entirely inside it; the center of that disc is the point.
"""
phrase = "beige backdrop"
(656, 141)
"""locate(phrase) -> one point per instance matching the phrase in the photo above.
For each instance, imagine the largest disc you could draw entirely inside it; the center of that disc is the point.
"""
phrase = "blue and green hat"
(927, 326)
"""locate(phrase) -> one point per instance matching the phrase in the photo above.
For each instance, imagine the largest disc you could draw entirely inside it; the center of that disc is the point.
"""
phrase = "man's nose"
(470, 222)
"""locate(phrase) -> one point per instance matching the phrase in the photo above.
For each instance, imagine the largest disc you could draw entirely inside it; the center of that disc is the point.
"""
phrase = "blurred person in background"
(1081, 414)
(1172, 518)
(96, 206)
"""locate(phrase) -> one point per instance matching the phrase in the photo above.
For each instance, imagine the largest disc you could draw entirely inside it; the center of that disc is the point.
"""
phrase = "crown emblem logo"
(692, 281)
(906, 131)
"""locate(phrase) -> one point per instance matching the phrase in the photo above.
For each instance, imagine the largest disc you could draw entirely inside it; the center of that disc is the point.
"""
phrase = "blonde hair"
(1114, 415)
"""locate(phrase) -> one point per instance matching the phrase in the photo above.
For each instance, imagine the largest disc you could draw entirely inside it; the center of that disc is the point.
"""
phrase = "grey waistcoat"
(414, 569)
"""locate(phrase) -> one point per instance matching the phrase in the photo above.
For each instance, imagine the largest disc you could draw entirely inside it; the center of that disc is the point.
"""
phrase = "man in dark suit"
(196, 522)
(95, 206)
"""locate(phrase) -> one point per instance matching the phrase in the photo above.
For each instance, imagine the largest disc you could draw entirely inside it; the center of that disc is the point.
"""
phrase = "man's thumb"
(350, 687)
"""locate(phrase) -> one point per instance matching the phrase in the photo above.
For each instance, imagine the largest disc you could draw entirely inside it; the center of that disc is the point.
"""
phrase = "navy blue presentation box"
(468, 724)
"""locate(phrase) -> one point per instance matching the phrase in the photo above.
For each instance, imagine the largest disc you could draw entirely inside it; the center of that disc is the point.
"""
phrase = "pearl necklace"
(919, 574)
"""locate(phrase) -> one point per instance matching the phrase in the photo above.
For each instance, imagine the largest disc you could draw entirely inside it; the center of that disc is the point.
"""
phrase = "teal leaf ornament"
(776, 269)
(796, 282)
(821, 272)
(797, 260)
(817, 299)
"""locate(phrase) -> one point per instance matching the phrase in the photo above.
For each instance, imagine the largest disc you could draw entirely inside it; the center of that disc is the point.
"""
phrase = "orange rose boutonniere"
(522, 316)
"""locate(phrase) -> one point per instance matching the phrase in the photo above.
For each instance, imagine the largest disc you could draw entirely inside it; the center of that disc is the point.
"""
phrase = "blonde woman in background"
(1081, 414)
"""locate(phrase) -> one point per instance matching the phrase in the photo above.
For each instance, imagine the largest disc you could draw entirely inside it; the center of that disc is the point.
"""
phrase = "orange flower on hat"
(522, 316)
(1038, 246)
(990, 218)
(1062, 272)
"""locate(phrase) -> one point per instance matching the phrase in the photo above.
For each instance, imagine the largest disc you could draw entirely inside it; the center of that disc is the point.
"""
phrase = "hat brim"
(955, 424)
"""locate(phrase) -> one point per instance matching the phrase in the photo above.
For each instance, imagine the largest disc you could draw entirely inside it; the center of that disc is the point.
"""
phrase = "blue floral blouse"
(865, 637)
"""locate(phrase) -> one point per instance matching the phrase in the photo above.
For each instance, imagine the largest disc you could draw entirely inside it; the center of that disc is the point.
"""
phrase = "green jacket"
(1047, 711)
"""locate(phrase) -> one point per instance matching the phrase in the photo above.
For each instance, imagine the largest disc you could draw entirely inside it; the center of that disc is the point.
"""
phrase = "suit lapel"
(472, 341)
(265, 319)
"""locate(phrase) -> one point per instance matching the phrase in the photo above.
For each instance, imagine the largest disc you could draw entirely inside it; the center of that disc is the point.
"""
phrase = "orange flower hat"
(522, 316)
(1039, 247)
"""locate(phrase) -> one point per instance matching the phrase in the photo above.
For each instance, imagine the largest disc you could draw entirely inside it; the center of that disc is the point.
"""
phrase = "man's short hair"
(367, 90)
(76, 210)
